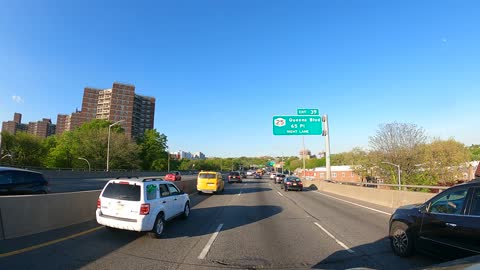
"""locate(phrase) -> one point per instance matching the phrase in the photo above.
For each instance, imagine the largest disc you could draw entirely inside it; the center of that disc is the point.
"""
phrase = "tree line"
(422, 160)
(89, 141)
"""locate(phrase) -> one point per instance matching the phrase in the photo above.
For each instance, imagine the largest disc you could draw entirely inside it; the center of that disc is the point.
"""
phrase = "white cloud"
(17, 99)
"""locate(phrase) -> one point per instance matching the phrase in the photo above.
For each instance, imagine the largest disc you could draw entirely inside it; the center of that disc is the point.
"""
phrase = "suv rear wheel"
(159, 227)
(186, 211)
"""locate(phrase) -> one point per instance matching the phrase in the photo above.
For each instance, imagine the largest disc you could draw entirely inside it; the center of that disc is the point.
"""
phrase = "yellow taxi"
(210, 182)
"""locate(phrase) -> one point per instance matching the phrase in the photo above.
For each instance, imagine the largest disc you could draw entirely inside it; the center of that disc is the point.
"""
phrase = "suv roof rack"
(149, 179)
(128, 177)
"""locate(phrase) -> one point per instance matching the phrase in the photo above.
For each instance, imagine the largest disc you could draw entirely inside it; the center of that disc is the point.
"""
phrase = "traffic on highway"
(239, 134)
(147, 222)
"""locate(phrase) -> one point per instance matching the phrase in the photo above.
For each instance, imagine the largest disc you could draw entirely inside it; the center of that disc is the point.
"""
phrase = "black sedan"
(448, 225)
(15, 181)
(292, 183)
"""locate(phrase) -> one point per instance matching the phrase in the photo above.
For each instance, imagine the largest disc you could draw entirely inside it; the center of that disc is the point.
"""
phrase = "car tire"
(186, 211)
(158, 227)
(401, 239)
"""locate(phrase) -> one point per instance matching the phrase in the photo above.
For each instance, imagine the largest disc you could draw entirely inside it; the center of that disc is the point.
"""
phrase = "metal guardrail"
(392, 185)
(366, 184)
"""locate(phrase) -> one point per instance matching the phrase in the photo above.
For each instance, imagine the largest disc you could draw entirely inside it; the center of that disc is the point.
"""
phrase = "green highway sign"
(297, 125)
(307, 112)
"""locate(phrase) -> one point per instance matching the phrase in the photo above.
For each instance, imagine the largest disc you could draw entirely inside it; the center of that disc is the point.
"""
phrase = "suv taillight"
(99, 204)
(145, 209)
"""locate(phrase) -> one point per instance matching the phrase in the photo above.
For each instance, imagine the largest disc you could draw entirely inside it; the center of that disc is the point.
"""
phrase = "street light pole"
(168, 169)
(89, 168)
(398, 167)
(7, 155)
(108, 143)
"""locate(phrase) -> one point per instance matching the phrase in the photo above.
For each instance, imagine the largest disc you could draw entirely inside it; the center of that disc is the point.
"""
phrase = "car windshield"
(299, 134)
(122, 192)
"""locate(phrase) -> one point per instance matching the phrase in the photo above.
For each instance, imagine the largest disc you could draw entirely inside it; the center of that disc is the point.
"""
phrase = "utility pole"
(326, 133)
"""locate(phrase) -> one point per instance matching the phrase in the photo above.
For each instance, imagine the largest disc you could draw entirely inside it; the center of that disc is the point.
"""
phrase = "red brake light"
(123, 183)
(99, 204)
(289, 183)
(145, 209)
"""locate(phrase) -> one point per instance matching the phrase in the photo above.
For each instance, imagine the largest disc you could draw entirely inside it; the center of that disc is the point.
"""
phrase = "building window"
(334, 174)
(343, 174)
(353, 174)
(322, 175)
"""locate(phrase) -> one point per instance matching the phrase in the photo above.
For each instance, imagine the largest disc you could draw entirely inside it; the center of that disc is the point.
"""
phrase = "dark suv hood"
(411, 206)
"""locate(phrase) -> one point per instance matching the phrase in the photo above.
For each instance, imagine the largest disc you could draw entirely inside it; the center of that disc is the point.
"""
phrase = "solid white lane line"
(209, 244)
(356, 204)
(280, 194)
(334, 238)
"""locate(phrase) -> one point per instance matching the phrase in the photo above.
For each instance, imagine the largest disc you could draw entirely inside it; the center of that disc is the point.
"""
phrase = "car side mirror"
(181, 192)
(423, 209)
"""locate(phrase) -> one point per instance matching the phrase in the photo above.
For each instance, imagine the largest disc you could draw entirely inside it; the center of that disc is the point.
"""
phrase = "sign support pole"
(327, 146)
(303, 141)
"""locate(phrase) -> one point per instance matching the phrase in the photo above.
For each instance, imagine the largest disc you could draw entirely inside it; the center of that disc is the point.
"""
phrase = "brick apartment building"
(114, 104)
(42, 128)
(339, 173)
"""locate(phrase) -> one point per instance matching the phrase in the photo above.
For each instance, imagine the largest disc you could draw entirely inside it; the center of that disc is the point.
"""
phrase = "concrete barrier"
(388, 198)
(29, 214)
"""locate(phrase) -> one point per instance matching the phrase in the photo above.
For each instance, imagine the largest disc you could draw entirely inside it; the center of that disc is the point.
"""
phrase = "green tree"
(90, 142)
(152, 146)
(474, 150)
(27, 150)
(398, 143)
(444, 161)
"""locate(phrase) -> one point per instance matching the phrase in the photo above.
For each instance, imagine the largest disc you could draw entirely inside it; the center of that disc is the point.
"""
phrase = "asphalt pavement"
(252, 225)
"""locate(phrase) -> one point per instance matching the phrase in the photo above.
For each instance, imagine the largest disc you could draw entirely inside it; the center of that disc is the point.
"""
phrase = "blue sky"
(221, 69)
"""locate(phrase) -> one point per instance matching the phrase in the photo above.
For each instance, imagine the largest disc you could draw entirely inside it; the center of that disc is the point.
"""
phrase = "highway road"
(252, 225)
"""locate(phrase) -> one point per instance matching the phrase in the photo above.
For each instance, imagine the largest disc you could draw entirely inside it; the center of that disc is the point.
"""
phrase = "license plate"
(294, 184)
(119, 207)
(211, 184)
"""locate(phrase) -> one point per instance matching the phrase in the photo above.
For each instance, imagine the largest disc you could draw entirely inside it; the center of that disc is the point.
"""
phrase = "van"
(210, 182)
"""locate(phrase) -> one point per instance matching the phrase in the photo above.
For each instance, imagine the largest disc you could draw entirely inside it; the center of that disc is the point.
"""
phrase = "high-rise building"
(199, 155)
(43, 128)
(14, 126)
(307, 154)
(114, 104)
(67, 122)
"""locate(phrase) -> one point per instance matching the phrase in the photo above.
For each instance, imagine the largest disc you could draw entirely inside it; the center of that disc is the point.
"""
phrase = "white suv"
(141, 205)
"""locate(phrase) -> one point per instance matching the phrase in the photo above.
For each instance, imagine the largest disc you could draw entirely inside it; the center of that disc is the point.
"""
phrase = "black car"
(234, 177)
(18, 182)
(257, 176)
(292, 183)
(448, 225)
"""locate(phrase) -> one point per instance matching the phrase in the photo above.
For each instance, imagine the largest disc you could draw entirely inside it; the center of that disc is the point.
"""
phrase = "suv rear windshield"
(294, 179)
(235, 173)
(208, 175)
(122, 192)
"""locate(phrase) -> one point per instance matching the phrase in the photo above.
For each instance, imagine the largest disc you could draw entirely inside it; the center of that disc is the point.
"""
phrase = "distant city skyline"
(220, 70)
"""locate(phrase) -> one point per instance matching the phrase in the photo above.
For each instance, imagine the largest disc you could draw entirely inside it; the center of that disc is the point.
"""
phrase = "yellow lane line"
(19, 251)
